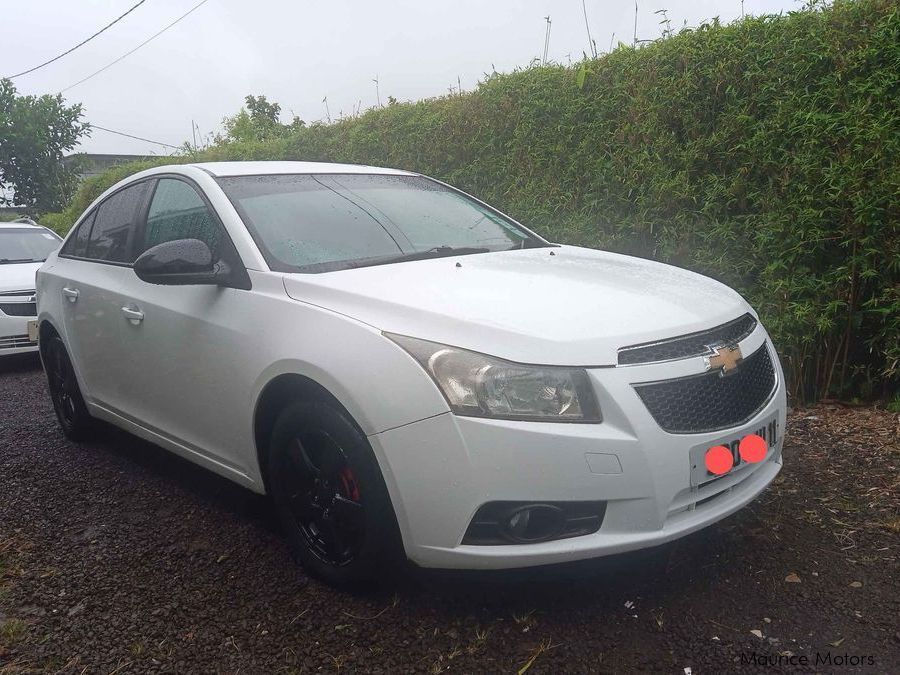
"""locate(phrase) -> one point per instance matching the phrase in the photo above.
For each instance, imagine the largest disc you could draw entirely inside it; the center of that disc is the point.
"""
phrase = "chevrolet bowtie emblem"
(725, 358)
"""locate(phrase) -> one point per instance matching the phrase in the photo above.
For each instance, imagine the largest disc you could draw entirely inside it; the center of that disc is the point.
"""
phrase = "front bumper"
(442, 469)
(14, 335)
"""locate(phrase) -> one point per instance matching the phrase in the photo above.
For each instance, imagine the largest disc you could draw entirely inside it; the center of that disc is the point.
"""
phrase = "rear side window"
(114, 225)
(77, 243)
(178, 212)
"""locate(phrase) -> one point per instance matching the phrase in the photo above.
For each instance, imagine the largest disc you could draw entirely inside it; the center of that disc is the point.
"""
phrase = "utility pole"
(634, 41)
(194, 135)
(377, 92)
(327, 113)
(546, 40)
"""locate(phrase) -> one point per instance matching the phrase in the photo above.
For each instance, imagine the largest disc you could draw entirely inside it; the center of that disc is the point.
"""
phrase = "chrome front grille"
(710, 401)
(686, 346)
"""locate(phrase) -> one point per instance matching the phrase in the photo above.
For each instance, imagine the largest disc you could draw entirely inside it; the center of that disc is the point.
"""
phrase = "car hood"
(17, 276)
(552, 306)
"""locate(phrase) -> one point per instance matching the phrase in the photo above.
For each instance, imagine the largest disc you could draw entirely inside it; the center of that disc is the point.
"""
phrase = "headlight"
(482, 386)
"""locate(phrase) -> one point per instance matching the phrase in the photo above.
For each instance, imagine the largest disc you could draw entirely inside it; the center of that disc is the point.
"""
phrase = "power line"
(129, 53)
(83, 42)
(138, 138)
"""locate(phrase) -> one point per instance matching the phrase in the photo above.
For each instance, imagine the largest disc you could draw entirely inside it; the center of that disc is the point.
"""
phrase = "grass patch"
(12, 631)
(137, 649)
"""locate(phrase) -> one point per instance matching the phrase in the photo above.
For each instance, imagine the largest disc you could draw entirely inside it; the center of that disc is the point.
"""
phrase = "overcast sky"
(297, 52)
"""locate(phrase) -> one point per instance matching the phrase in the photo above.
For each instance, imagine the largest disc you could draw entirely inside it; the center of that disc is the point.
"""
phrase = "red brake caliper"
(348, 482)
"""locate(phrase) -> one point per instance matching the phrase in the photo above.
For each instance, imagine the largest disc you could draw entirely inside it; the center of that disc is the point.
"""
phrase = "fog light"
(507, 522)
(534, 522)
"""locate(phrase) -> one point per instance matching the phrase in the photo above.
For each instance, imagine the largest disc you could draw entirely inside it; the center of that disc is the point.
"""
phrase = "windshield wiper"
(436, 252)
(530, 243)
(440, 252)
(4, 261)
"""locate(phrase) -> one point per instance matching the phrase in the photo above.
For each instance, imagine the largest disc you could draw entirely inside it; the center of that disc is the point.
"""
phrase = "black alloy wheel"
(68, 402)
(324, 497)
(330, 495)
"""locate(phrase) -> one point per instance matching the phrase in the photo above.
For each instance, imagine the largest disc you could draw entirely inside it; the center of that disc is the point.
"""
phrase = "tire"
(330, 496)
(68, 403)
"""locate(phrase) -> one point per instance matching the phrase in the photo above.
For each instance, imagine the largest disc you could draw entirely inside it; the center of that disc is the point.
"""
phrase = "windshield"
(325, 222)
(19, 245)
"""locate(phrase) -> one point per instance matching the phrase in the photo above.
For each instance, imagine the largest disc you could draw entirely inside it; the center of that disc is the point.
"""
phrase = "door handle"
(135, 316)
(70, 293)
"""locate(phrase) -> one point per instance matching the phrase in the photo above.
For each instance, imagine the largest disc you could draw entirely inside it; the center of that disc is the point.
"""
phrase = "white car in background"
(24, 245)
(406, 370)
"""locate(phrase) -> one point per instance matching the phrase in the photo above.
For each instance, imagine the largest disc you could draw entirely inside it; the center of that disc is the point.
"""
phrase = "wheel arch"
(275, 395)
(46, 329)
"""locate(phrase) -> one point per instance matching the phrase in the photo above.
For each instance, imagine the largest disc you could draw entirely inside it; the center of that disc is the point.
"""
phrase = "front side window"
(178, 212)
(114, 225)
(318, 223)
(20, 245)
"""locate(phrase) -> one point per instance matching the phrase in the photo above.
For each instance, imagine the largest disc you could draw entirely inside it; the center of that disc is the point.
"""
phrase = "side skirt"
(192, 454)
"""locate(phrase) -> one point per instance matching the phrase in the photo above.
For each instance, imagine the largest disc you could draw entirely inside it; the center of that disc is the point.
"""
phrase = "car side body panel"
(200, 401)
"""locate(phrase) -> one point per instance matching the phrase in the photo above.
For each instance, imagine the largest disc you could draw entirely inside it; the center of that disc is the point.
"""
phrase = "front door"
(182, 338)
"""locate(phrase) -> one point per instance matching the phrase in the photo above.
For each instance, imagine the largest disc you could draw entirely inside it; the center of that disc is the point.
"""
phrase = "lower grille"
(18, 308)
(709, 402)
(16, 341)
(697, 497)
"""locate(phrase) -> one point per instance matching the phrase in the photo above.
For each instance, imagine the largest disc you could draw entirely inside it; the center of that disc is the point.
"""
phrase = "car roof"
(18, 226)
(26, 226)
(220, 169)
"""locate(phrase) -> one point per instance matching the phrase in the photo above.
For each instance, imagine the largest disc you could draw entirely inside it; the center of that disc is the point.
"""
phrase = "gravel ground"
(117, 557)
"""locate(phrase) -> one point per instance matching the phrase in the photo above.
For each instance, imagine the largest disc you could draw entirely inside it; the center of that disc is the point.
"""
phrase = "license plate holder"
(767, 428)
(33, 330)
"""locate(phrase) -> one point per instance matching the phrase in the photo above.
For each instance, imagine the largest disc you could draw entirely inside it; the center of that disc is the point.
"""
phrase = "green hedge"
(765, 153)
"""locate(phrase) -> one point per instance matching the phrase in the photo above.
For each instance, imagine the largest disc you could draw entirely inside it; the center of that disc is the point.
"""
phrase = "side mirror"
(179, 263)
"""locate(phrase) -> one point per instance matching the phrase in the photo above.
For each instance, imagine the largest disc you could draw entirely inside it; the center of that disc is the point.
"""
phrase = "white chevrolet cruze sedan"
(24, 245)
(407, 371)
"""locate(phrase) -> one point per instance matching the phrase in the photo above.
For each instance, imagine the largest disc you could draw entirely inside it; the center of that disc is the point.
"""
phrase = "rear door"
(91, 272)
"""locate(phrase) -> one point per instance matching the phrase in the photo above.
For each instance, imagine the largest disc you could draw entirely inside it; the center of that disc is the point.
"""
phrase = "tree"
(35, 131)
(259, 120)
